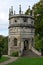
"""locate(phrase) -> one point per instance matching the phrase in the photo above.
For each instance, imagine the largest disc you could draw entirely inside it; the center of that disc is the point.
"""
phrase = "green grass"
(28, 61)
(3, 59)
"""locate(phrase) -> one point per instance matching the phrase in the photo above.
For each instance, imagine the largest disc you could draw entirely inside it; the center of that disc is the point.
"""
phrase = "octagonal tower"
(21, 31)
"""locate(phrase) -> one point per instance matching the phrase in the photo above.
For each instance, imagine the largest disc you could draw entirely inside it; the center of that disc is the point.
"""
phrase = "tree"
(38, 17)
(1, 46)
(5, 50)
(38, 14)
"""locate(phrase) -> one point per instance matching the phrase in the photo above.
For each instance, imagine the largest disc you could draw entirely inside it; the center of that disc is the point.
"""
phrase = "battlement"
(12, 12)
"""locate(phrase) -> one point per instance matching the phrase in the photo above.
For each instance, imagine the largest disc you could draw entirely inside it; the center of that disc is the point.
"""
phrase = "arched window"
(15, 42)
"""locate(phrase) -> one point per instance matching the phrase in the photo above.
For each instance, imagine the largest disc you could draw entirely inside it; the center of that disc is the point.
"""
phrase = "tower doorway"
(26, 45)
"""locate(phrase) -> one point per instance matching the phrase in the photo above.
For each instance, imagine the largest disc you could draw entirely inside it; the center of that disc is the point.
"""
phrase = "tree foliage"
(3, 44)
(38, 17)
(38, 11)
(38, 14)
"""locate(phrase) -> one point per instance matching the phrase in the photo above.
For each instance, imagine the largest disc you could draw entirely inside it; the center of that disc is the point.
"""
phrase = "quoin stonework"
(21, 31)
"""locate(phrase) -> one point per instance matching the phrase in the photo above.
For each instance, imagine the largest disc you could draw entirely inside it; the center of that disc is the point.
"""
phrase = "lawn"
(28, 61)
(3, 59)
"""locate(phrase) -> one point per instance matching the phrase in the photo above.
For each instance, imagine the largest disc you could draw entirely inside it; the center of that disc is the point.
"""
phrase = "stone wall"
(35, 51)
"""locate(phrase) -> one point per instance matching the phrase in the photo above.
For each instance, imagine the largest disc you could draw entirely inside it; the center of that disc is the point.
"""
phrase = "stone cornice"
(21, 16)
(22, 25)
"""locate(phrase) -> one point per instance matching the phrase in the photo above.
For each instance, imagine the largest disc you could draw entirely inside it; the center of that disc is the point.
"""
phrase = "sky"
(4, 11)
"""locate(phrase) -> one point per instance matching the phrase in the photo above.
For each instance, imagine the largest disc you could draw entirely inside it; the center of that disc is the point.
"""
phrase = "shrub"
(15, 54)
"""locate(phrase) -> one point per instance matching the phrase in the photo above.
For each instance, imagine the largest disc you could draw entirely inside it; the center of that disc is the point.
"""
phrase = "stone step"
(29, 53)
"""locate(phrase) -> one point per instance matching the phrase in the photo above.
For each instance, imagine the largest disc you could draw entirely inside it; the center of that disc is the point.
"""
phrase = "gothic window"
(15, 42)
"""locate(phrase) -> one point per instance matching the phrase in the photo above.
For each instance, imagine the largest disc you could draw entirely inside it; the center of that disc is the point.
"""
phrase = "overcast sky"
(4, 10)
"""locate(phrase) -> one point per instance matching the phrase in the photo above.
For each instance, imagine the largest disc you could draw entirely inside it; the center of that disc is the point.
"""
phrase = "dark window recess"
(31, 22)
(25, 20)
(31, 12)
(15, 42)
(15, 20)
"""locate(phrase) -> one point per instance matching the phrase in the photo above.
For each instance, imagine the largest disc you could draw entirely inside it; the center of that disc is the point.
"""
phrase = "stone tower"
(21, 31)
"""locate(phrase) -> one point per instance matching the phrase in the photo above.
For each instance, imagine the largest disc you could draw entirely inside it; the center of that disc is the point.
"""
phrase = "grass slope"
(3, 59)
(28, 61)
